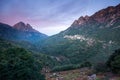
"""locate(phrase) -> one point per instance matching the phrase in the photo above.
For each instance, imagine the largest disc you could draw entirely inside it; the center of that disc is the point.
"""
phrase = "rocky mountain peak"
(107, 16)
(19, 25)
(81, 20)
(28, 26)
(84, 17)
(24, 27)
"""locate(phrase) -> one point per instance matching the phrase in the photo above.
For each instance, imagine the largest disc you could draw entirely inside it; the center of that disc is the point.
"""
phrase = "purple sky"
(49, 16)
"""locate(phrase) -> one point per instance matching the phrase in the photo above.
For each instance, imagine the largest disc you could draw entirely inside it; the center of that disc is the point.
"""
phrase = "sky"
(49, 16)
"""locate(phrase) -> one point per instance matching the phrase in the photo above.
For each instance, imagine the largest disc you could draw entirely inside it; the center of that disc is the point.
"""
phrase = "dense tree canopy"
(18, 64)
(114, 61)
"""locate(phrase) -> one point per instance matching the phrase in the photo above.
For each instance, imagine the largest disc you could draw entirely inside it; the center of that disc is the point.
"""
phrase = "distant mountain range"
(90, 38)
(20, 32)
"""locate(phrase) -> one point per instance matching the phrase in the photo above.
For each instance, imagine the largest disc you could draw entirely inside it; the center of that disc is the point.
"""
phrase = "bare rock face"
(24, 27)
(106, 16)
(82, 20)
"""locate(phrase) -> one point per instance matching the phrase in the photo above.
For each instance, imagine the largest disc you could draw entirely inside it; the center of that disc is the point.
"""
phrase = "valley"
(89, 48)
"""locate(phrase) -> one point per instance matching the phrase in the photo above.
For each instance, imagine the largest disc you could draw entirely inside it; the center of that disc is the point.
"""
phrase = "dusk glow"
(49, 16)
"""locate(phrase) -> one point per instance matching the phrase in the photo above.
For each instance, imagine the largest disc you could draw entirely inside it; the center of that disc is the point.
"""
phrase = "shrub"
(114, 62)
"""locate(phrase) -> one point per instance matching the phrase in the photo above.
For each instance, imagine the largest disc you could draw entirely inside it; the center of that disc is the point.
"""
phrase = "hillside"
(20, 32)
(90, 38)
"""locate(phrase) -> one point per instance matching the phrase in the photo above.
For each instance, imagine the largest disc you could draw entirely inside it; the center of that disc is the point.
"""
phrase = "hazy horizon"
(49, 16)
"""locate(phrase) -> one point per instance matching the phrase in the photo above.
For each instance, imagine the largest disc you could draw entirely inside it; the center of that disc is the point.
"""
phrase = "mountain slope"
(20, 32)
(90, 38)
